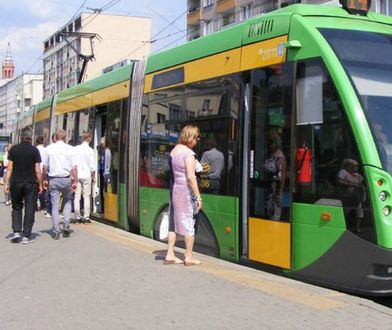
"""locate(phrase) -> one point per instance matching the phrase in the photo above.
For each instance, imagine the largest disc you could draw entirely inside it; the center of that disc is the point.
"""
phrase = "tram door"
(99, 133)
(269, 161)
(108, 136)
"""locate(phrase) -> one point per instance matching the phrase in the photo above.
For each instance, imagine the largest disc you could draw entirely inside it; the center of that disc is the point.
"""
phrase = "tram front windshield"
(367, 58)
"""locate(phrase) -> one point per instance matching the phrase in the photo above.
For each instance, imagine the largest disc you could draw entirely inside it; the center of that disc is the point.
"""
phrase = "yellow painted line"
(296, 295)
(111, 235)
(229, 273)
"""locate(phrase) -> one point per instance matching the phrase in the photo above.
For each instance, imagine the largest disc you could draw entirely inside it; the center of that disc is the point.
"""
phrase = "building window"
(386, 7)
(161, 118)
(208, 2)
(78, 24)
(246, 12)
(207, 27)
(226, 19)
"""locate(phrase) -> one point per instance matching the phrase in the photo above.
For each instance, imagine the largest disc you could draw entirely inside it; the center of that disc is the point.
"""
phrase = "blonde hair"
(188, 133)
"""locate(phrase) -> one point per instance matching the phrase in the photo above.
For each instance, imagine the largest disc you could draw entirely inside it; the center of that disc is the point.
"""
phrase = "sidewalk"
(105, 278)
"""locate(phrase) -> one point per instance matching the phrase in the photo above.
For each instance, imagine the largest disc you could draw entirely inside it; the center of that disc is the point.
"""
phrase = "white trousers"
(83, 187)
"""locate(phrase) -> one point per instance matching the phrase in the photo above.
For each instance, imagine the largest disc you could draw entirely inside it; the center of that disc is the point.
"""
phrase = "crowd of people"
(48, 178)
(55, 177)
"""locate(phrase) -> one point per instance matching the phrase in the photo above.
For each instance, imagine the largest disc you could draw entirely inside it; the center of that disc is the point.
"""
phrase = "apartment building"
(16, 97)
(17, 94)
(99, 39)
(207, 16)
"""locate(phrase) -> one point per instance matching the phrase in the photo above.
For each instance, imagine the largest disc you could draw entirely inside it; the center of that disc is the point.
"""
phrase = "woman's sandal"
(193, 262)
(175, 261)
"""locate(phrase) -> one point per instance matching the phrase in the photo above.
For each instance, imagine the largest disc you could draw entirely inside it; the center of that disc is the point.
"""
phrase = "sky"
(25, 24)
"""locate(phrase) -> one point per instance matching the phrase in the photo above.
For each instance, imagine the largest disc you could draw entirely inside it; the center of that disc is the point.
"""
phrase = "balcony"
(224, 5)
(193, 16)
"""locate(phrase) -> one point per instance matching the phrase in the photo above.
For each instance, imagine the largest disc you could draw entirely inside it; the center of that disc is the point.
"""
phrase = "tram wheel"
(205, 240)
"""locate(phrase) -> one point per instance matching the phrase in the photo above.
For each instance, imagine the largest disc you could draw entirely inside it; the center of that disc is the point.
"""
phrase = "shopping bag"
(164, 227)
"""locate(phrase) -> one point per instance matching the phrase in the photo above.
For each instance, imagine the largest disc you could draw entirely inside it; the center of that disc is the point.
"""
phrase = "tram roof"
(44, 104)
(241, 34)
(108, 79)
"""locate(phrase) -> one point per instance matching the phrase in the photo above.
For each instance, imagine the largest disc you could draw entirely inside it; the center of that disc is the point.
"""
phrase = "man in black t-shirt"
(23, 179)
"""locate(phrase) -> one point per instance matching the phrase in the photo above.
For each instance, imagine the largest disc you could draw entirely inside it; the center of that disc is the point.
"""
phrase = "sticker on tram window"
(168, 78)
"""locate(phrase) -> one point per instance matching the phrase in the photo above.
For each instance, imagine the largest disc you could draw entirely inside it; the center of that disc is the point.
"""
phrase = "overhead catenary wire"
(98, 11)
(200, 26)
(78, 10)
(153, 38)
(164, 18)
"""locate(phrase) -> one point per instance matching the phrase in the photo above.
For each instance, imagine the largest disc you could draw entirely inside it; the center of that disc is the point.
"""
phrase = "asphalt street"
(105, 278)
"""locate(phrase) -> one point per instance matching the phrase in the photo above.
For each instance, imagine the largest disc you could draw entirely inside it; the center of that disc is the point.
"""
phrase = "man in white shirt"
(86, 164)
(60, 166)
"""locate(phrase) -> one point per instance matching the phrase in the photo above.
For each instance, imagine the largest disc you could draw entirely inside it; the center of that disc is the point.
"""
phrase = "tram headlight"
(386, 211)
(383, 195)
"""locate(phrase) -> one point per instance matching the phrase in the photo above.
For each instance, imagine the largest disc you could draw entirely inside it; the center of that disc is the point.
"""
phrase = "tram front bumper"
(352, 265)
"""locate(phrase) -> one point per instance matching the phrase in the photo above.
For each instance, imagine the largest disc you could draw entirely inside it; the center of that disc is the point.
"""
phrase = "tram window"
(156, 139)
(113, 130)
(70, 121)
(60, 121)
(124, 153)
(42, 129)
(45, 132)
(38, 129)
(326, 152)
(309, 97)
(83, 124)
(270, 149)
(209, 105)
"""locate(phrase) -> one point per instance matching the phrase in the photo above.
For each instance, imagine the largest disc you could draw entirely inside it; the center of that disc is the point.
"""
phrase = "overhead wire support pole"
(84, 57)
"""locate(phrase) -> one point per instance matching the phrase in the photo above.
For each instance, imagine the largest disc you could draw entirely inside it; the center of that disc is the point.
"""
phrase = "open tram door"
(99, 186)
(267, 227)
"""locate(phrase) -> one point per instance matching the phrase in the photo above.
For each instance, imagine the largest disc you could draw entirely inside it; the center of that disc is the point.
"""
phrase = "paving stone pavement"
(105, 278)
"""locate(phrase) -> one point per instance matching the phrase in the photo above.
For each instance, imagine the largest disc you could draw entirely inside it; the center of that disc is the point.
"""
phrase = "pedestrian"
(60, 169)
(7, 196)
(216, 163)
(185, 196)
(86, 164)
(49, 204)
(23, 180)
(104, 164)
(44, 196)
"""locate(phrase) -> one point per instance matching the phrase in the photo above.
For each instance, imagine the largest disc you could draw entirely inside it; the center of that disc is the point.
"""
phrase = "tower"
(7, 67)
